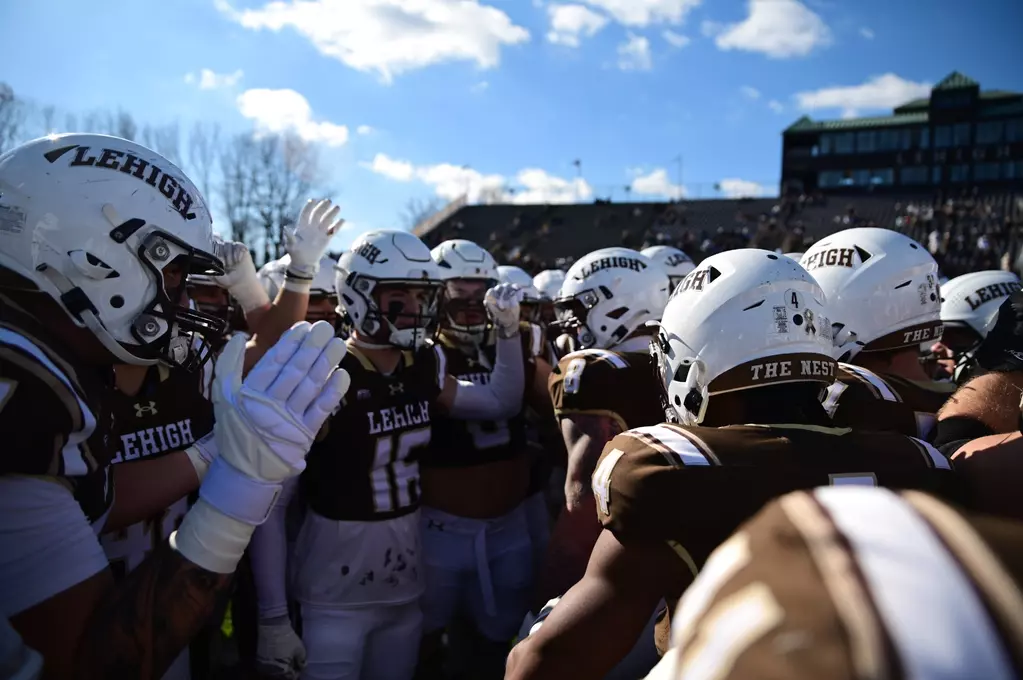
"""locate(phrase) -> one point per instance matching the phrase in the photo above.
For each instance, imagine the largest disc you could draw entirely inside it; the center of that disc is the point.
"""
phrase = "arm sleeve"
(46, 544)
(269, 557)
(499, 399)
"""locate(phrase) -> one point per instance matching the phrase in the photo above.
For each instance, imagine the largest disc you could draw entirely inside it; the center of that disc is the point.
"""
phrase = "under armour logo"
(396, 388)
(140, 409)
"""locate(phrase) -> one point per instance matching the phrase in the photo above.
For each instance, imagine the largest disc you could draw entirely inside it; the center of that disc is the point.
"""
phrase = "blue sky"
(423, 98)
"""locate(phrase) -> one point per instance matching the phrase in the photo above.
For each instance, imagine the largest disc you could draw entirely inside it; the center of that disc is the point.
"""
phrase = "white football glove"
(502, 303)
(279, 651)
(239, 277)
(307, 242)
(263, 430)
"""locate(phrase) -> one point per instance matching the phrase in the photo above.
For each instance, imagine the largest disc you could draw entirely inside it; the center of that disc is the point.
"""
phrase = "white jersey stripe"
(939, 461)
(442, 365)
(74, 463)
(936, 621)
(876, 381)
(676, 443)
(612, 358)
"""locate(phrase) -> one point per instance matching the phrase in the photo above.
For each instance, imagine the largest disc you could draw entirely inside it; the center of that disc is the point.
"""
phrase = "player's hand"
(279, 651)
(1002, 349)
(307, 242)
(239, 277)
(265, 425)
(502, 303)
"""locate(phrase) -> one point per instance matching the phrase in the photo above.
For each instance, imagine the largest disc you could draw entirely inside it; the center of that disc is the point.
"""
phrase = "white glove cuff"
(202, 453)
(303, 271)
(237, 495)
(296, 285)
(211, 539)
(249, 293)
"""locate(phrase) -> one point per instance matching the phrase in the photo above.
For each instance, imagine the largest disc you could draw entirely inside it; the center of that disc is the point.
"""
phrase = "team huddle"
(405, 462)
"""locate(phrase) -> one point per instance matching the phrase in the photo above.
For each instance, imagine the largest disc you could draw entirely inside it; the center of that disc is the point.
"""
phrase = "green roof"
(804, 124)
(915, 112)
(956, 81)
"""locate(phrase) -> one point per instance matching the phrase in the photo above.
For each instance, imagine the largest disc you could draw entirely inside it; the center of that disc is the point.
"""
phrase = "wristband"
(237, 495)
(249, 293)
(298, 285)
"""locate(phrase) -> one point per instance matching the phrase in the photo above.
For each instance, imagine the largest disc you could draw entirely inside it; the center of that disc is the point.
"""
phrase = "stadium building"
(958, 136)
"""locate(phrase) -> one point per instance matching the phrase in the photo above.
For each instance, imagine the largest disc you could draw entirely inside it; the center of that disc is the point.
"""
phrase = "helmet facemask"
(465, 316)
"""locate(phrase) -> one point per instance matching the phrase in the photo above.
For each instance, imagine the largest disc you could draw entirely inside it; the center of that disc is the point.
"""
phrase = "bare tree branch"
(204, 148)
(126, 126)
(417, 209)
(238, 170)
(12, 117)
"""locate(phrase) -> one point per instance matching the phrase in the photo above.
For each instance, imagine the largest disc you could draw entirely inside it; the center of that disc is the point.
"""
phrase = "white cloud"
(656, 183)
(364, 130)
(641, 13)
(570, 22)
(776, 106)
(880, 92)
(675, 39)
(530, 185)
(288, 111)
(777, 28)
(208, 80)
(867, 33)
(741, 188)
(634, 54)
(749, 92)
(480, 87)
(390, 37)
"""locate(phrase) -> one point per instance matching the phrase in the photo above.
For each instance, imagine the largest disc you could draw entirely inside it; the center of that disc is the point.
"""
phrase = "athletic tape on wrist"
(237, 495)
(298, 285)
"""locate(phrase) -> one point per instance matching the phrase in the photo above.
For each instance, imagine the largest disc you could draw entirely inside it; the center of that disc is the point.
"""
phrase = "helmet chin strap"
(359, 342)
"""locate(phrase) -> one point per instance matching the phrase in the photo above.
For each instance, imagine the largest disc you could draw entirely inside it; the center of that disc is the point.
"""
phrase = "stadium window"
(1014, 130)
(883, 176)
(887, 140)
(914, 174)
(986, 172)
(990, 132)
(959, 173)
(830, 178)
(845, 142)
(827, 144)
(925, 137)
(961, 134)
(861, 178)
(866, 142)
(936, 174)
(942, 136)
(1012, 170)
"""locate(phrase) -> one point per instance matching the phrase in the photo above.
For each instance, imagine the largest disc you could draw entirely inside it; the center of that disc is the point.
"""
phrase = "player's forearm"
(290, 307)
(585, 437)
(268, 556)
(501, 397)
(990, 403)
(147, 487)
(140, 628)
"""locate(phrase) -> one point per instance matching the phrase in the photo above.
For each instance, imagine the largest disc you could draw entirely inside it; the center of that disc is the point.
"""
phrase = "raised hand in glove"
(502, 303)
(264, 428)
(279, 651)
(308, 241)
(1002, 350)
(239, 277)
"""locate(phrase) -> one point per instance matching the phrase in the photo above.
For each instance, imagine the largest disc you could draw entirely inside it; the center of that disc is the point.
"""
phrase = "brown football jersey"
(364, 465)
(864, 400)
(600, 382)
(54, 412)
(856, 583)
(168, 414)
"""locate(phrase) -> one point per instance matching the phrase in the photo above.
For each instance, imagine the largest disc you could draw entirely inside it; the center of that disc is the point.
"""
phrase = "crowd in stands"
(967, 231)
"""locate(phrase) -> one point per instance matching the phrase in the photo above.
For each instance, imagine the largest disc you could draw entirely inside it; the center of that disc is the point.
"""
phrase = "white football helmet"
(882, 290)
(609, 294)
(969, 306)
(742, 319)
(531, 299)
(273, 273)
(674, 261)
(210, 298)
(462, 260)
(548, 282)
(381, 263)
(93, 221)
(795, 256)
